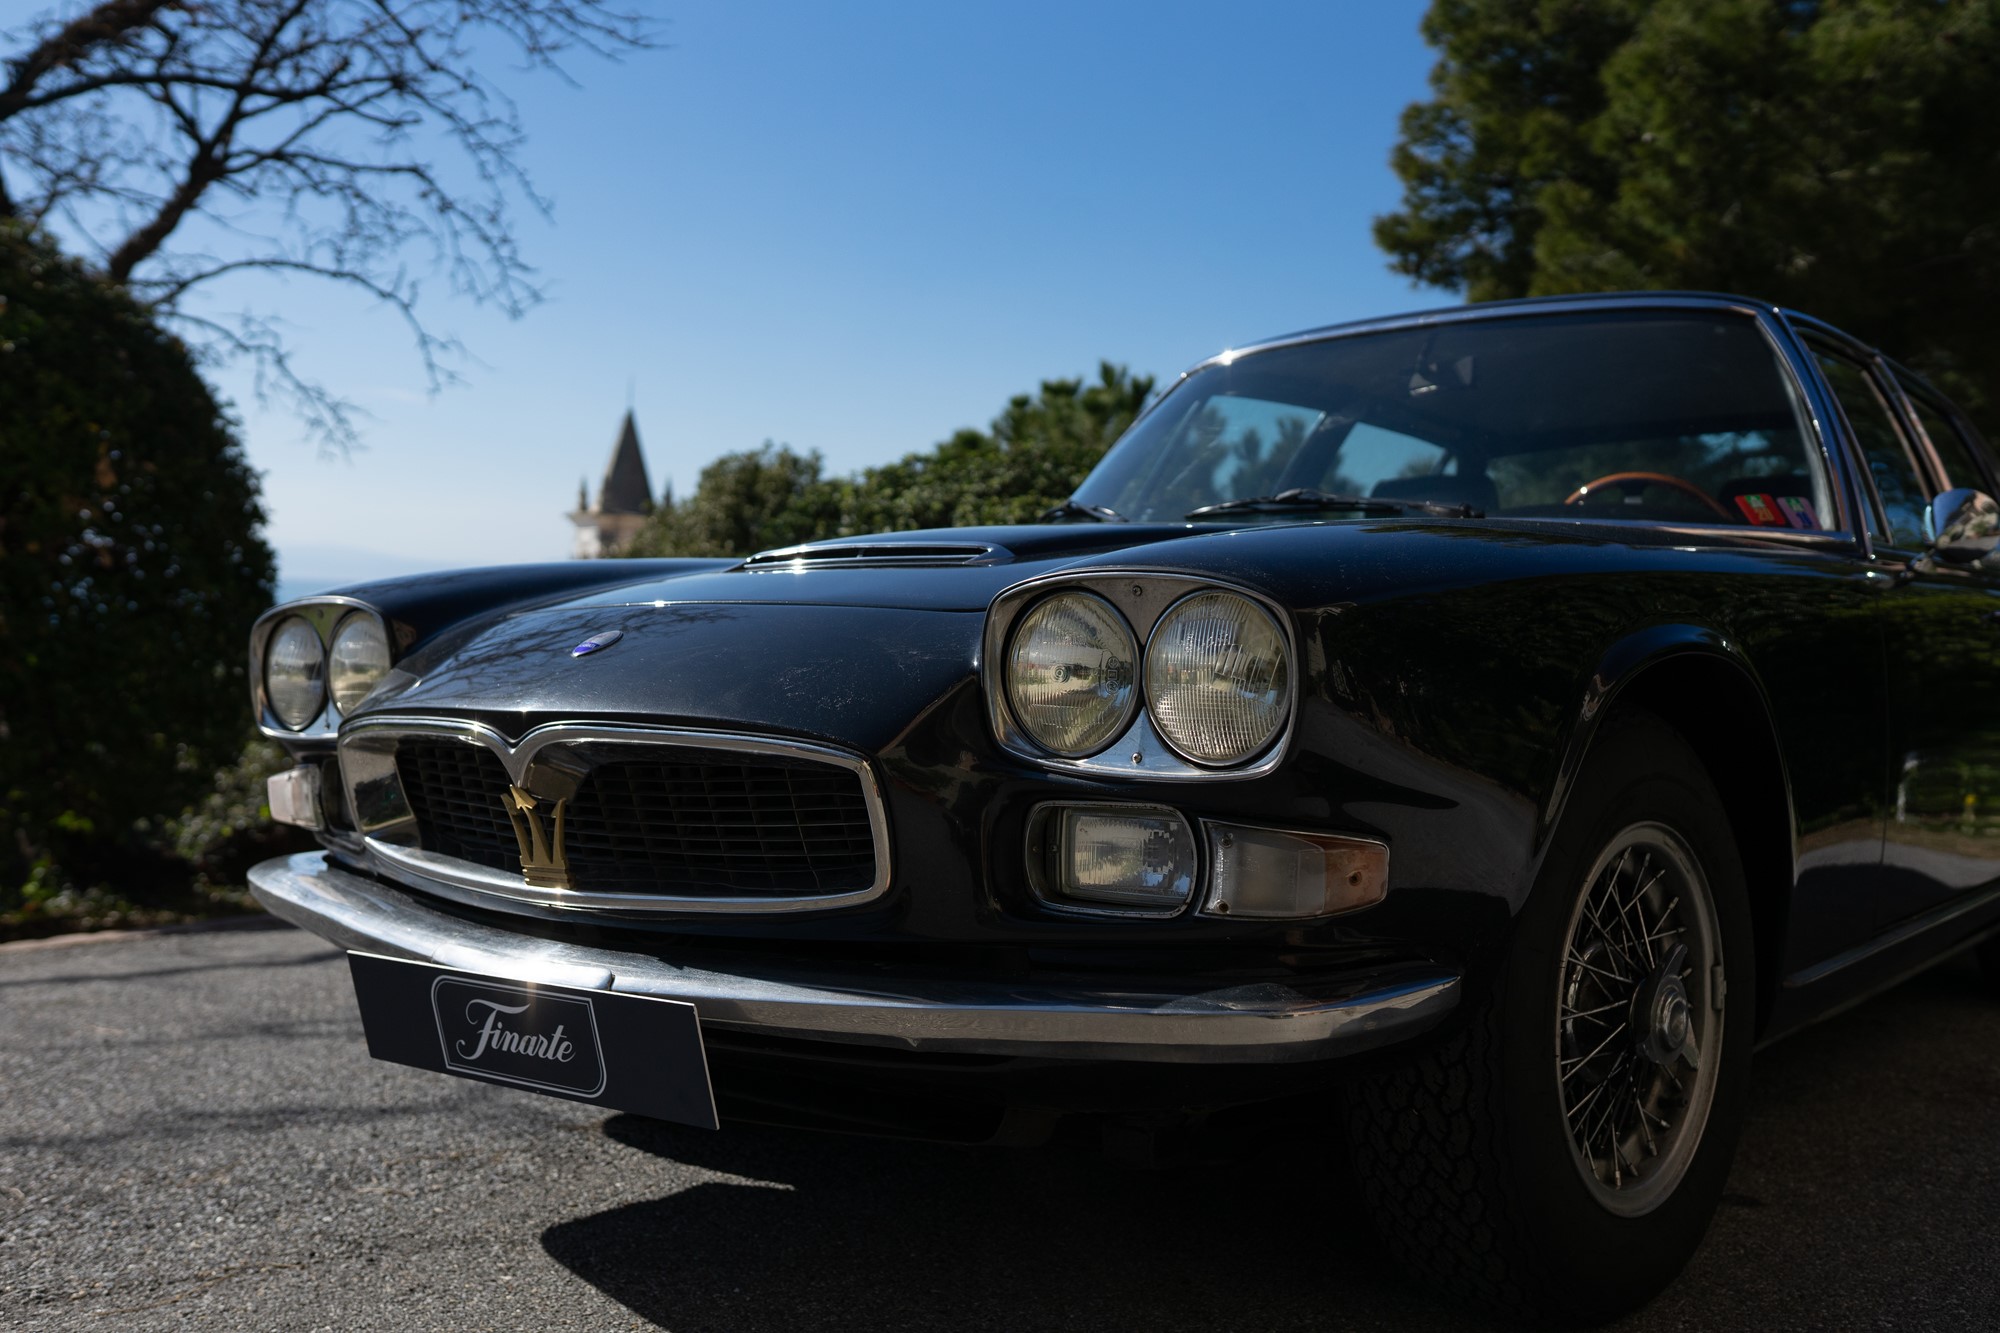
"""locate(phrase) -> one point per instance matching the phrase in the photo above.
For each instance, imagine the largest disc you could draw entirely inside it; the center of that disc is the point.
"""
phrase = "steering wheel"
(1634, 482)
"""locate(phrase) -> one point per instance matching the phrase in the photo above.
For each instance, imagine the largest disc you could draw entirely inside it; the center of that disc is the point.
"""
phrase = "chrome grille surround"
(390, 833)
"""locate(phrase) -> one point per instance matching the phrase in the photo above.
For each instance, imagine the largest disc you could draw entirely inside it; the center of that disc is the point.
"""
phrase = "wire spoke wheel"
(1559, 1153)
(1639, 1013)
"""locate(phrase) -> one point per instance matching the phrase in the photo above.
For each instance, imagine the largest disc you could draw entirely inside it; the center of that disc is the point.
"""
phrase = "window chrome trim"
(367, 763)
(1142, 596)
(1823, 340)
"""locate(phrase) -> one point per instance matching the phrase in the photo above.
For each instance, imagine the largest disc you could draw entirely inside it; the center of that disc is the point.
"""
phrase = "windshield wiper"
(1302, 498)
(1074, 508)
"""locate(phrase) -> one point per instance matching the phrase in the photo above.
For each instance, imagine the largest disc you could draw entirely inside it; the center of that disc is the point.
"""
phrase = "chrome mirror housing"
(1964, 526)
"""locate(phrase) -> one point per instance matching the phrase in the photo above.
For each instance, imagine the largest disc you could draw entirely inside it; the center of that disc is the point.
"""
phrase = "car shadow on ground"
(824, 1232)
(1864, 1193)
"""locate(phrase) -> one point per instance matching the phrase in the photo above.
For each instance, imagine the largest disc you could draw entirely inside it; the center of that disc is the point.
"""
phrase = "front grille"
(679, 821)
(458, 794)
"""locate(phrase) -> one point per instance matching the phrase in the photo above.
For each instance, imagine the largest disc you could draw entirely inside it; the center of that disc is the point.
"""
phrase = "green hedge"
(131, 566)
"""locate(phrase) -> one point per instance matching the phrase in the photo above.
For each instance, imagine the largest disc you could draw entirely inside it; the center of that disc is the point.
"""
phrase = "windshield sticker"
(1799, 511)
(1761, 510)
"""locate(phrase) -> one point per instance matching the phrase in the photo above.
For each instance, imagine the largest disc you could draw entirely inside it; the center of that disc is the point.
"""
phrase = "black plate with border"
(624, 1052)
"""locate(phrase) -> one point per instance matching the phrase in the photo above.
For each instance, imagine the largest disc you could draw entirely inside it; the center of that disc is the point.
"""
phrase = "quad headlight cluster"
(1165, 678)
(1216, 676)
(303, 666)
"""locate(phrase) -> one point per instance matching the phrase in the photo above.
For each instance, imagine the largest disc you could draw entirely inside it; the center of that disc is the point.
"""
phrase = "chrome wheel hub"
(1639, 1000)
(1662, 1016)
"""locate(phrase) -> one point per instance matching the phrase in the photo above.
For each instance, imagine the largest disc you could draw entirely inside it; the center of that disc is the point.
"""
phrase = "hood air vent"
(870, 555)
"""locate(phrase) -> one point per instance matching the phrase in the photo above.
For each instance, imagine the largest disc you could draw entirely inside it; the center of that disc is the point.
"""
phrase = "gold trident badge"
(542, 862)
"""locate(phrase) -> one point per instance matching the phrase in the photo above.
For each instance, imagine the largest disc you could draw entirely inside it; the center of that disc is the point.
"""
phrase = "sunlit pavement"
(191, 1136)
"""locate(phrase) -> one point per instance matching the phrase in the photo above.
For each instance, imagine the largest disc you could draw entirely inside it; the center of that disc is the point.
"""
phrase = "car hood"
(845, 641)
(1305, 562)
(853, 675)
(850, 641)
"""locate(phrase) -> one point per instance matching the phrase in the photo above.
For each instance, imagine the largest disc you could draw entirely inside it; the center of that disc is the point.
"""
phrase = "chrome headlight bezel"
(1142, 597)
(325, 614)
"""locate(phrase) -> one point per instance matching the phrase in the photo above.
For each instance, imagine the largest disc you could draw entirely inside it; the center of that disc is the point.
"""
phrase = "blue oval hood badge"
(597, 641)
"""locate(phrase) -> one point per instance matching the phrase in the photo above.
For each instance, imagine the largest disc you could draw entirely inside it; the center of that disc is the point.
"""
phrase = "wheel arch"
(1699, 683)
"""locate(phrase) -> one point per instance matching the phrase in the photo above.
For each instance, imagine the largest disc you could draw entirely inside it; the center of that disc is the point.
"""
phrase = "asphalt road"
(191, 1136)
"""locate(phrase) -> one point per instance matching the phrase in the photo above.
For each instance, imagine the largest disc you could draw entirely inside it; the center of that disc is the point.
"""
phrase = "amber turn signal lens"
(1272, 874)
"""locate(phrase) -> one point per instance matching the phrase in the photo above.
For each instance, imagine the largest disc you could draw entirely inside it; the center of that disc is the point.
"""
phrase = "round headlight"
(295, 673)
(1217, 679)
(1070, 674)
(358, 659)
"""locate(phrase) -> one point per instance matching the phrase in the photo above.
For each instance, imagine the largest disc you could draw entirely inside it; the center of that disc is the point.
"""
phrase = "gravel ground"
(191, 1135)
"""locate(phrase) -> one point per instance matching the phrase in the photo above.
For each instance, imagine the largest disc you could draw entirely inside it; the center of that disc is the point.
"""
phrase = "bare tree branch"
(355, 142)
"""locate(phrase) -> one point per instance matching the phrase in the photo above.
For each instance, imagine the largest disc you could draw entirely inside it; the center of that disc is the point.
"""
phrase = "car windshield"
(1653, 416)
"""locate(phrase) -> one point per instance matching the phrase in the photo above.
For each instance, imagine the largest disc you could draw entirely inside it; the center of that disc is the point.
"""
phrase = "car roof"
(1482, 310)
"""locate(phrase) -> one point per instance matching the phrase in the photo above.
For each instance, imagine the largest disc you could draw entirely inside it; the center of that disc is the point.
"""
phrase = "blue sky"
(856, 228)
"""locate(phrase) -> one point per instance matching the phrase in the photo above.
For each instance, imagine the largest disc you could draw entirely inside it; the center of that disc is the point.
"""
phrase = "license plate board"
(632, 1053)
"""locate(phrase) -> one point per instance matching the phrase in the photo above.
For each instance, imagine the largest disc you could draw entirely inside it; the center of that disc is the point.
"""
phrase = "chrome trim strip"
(367, 748)
(1270, 1023)
(875, 555)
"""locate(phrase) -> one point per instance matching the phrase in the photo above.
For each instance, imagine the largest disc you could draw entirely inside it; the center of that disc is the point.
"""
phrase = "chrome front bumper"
(1258, 1024)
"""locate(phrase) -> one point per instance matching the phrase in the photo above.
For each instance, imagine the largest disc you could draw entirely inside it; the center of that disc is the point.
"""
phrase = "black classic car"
(1483, 728)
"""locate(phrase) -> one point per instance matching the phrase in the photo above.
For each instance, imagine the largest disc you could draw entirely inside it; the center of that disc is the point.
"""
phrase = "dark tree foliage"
(1838, 156)
(176, 143)
(131, 566)
(1032, 457)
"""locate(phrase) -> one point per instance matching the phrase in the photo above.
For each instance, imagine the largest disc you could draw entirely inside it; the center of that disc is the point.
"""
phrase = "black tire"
(1465, 1152)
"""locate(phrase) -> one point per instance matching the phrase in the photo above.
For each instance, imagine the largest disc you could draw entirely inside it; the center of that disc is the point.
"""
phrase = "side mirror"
(1963, 526)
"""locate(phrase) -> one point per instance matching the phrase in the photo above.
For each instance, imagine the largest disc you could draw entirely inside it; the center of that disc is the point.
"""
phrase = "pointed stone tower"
(623, 500)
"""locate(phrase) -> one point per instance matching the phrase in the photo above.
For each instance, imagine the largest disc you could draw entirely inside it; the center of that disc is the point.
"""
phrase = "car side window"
(1897, 481)
(1953, 450)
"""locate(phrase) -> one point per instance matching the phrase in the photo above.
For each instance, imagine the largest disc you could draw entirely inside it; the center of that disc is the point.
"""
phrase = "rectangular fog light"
(294, 796)
(1271, 874)
(1133, 857)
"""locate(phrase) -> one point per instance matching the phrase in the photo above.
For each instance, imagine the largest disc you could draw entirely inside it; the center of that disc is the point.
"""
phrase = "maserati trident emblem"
(597, 642)
(543, 864)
